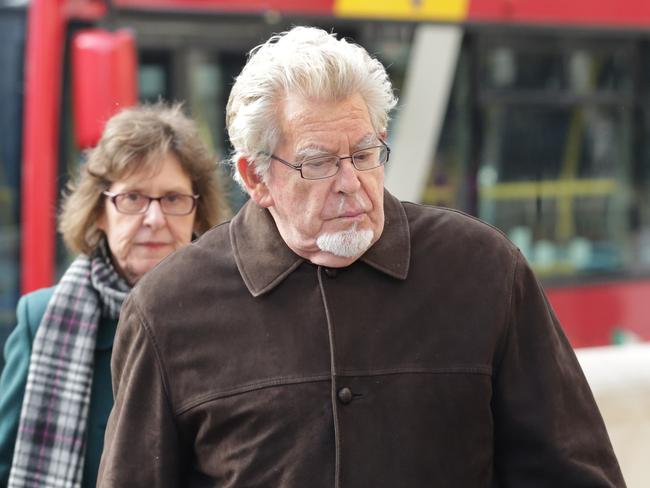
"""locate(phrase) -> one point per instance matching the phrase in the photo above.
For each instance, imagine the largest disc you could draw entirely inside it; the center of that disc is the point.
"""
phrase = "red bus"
(531, 114)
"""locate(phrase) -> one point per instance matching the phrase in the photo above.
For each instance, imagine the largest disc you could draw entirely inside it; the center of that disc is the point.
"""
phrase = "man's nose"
(347, 178)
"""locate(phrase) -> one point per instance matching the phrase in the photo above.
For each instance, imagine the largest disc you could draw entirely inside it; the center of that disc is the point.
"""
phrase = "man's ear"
(257, 189)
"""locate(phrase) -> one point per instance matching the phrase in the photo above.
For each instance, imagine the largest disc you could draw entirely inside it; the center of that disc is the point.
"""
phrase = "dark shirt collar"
(264, 260)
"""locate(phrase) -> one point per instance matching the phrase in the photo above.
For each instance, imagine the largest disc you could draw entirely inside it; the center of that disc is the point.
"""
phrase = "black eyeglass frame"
(298, 167)
(113, 196)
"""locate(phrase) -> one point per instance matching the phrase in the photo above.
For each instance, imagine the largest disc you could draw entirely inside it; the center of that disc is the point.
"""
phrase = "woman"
(148, 186)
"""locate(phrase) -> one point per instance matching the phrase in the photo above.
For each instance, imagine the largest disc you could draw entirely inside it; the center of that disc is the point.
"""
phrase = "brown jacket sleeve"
(141, 442)
(548, 430)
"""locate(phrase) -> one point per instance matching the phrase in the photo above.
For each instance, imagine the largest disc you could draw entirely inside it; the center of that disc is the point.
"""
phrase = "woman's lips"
(153, 245)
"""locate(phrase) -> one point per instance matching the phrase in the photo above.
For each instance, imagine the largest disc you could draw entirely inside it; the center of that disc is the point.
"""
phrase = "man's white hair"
(307, 62)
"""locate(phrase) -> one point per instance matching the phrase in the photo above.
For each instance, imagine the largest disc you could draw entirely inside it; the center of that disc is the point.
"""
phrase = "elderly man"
(332, 336)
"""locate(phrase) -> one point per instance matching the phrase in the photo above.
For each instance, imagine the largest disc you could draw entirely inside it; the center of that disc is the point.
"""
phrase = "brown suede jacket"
(433, 360)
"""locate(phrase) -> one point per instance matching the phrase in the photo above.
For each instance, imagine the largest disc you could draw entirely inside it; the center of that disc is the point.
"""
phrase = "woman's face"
(140, 241)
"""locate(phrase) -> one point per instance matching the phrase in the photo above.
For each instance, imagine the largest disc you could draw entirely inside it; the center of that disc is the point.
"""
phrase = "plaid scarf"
(50, 446)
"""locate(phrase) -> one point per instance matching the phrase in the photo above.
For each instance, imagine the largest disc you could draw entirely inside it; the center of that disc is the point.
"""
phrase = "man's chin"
(339, 249)
(330, 260)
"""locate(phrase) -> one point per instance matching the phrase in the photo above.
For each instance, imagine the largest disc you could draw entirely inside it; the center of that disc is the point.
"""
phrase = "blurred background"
(533, 115)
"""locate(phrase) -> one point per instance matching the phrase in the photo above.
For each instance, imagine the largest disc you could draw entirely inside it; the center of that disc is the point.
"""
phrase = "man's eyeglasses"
(132, 202)
(322, 167)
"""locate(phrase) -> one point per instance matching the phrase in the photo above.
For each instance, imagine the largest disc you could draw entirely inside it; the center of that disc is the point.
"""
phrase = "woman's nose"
(154, 215)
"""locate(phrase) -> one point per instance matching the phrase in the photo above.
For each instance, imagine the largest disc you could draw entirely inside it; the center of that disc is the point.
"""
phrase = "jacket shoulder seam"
(156, 349)
(509, 318)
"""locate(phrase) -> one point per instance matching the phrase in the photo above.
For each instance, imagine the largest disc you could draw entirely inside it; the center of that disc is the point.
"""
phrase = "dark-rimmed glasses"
(133, 202)
(321, 167)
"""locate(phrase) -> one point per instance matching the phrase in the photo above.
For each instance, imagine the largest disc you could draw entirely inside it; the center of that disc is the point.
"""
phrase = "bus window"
(12, 32)
(154, 76)
(641, 173)
(210, 78)
(451, 181)
(554, 165)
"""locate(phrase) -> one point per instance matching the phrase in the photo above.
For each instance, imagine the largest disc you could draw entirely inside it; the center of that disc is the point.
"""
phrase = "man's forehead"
(324, 124)
(316, 147)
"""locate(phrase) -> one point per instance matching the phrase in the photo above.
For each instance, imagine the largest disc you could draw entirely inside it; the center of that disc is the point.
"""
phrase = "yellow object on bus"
(445, 10)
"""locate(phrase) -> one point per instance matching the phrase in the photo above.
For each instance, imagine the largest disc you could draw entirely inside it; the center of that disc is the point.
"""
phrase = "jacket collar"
(264, 260)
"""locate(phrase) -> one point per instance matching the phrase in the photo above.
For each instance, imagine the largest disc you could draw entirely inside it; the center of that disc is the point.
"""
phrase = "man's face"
(331, 221)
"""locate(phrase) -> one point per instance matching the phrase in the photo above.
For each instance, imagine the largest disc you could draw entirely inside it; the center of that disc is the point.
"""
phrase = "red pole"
(43, 74)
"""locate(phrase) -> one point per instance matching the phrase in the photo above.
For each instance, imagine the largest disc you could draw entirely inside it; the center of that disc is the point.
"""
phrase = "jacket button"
(345, 395)
(330, 272)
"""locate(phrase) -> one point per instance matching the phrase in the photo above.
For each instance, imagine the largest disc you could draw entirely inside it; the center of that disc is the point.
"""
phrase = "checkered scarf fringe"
(50, 445)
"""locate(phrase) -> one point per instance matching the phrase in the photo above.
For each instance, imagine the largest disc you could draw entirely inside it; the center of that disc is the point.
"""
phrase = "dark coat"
(433, 360)
(18, 350)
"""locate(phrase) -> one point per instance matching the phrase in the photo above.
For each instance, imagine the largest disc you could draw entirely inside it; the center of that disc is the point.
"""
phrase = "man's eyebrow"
(369, 139)
(311, 152)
